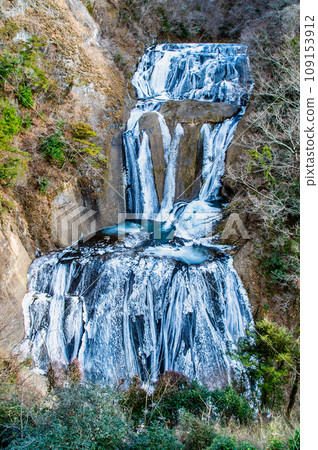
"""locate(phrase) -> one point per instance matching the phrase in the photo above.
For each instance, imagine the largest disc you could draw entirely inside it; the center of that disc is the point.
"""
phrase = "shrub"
(23, 74)
(10, 417)
(61, 375)
(294, 442)
(25, 96)
(82, 130)
(228, 404)
(10, 168)
(14, 414)
(282, 259)
(43, 184)
(135, 400)
(155, 437)
(10, 122)
(27, 122)
(246, 446)
(174, 392)
(223, 443)
(5, 205)
(39, 80)
(12, 161)
(10, 29)
(89, 6)
(31, 50)
(53, 147)
(81, 417)
(8, 65)
(196, 434)
(270, 356)
(276, 445)
(81, 135)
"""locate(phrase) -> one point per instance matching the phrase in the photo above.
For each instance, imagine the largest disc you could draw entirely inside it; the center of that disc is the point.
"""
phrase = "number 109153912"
(309, 53)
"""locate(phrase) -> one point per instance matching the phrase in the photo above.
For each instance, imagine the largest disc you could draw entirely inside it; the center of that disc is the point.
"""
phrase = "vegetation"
(83, 138)
(6, 205)
(23, 85)
(12, 161)
(75, 143)
(79, 415)
(20, 80)
(271, 357)
(199, 20)
(173, 394)
(43, 184)
(53, 147)
(228, 404)
(272, 159)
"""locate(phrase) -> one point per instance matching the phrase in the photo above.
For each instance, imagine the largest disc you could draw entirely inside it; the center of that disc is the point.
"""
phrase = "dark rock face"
(191, 115)
(149, 122)
(197, 112)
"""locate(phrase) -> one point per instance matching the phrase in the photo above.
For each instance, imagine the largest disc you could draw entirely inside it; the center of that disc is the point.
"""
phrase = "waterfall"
(155, 293)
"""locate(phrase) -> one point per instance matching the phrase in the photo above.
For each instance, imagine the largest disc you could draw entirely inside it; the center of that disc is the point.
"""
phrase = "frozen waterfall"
(154, 293)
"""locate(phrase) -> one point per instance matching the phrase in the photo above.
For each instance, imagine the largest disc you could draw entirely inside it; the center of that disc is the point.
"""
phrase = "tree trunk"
(293, 393)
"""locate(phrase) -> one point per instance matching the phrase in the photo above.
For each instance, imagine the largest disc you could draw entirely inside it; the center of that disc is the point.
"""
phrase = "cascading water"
(157, 293)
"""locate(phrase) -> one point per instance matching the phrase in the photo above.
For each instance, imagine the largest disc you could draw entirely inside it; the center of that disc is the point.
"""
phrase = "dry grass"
(262, 432)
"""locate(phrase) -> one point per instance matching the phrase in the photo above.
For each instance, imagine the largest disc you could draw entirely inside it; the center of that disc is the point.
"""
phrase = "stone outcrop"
(191, 114)
(15, 262)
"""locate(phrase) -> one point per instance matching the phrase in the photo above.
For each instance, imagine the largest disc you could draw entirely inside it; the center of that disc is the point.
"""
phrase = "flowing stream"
(155, 292)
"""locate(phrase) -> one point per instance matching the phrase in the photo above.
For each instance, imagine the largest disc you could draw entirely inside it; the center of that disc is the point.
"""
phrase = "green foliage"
(81, 134)
(269, 354)
(31, 50)
(43, 184)
(120, 60)
(8, 65)
(281, 259)
(12, 162)
(276, 445)
(12, 416)
(294, 441)
(135, 400)
(196, 434)
(84, 416)
(27, 122)
(82, 131)
(39, 80)
(221, 442)
(155, 437)
(22, 72)
(10, 169)
(53, 147)
(228, 404)
(272, 178)
(24, 96)
(262, 159)
(5, 205)
(165, 23)
(81, 417)
(89, 6)
(9, 29)
(246, 446)
(83, 137)
(174, 392)
(10, 122)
